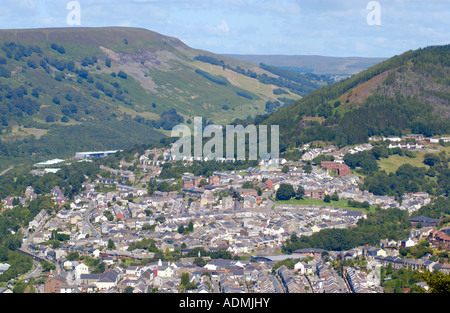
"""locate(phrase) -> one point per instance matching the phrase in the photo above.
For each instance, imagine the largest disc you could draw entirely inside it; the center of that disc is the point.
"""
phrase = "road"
(279, 288)
(343, 284)
(35, 272)
(87, 222)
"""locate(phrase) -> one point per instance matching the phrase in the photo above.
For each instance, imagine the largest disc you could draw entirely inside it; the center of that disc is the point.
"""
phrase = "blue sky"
(287, 27)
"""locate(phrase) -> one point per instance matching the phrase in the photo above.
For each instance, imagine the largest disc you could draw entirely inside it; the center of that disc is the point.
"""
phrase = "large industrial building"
(97, 154)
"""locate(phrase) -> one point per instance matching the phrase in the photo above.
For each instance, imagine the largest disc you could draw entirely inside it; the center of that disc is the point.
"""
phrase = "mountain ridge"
(316, 64)
(406, 93)
(66, 80)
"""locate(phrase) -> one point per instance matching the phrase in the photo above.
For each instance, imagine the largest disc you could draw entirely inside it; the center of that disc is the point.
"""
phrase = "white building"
(79, 269)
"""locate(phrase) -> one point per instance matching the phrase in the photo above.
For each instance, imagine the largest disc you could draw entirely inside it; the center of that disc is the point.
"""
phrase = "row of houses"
(292, 283)
(357, 281)
(420, 265)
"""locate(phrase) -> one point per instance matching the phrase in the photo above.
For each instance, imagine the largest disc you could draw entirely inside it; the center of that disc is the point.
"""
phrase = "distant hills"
(409, 93)
(64, 90)
(68, 89)
(340, 66)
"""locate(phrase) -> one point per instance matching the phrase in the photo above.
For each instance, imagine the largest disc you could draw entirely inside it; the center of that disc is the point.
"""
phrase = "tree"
(3, 254)
(285, 192)
(163, 186)
(160, 219)
(327, 199)
(307, 168)
(184, 279)
(285, 169)
(190, 227)
(335, 197)
(438, 282)
(50, 118)
(247, 185)
(111, 245)
(199, 262)
(122, 75)
(431, 159)
(73, 256)
(47, 266)
(300, 193)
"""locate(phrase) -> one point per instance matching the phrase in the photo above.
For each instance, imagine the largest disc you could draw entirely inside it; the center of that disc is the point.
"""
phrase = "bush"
(285, 192)
(58, 48)
(244, 94)
(212, 78)
(122, 75)
(49, 119)
(280, 91)
(83, 73)
(32, 64)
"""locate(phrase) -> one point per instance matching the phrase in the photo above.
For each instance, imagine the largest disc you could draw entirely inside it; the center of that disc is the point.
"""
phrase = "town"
(217, 234)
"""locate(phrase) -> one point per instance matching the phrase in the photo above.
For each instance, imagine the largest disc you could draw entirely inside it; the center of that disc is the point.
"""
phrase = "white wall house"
(79, 269)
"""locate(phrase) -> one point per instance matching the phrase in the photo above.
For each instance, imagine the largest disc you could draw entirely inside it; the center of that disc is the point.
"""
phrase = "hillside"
(407, 93)
(69, 89)
(341, 66)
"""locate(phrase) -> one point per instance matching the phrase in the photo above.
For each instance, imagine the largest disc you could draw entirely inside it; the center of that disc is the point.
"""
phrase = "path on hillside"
(7, 170)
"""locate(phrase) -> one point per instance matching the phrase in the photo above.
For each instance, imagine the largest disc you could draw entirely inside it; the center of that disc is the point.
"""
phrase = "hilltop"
(69, 89)
(341, 66)
(404, 94)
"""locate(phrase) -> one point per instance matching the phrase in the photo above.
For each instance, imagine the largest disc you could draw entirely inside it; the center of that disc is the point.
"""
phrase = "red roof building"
(340, 169)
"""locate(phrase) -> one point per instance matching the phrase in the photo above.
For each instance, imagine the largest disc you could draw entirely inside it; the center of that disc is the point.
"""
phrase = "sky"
(340, 28)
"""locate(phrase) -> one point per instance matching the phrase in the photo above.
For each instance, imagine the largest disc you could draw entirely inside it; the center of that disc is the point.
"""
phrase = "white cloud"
(222, 29)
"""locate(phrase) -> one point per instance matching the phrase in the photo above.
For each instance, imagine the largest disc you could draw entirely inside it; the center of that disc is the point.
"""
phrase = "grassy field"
(265, 92)
(19, 133)
(391, 164)
(343, 204)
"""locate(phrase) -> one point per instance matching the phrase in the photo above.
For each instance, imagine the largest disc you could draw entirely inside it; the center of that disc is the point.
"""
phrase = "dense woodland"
(381, 224)
(385, 112)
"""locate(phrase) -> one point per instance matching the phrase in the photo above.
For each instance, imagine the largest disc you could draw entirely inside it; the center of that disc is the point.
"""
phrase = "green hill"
(407, 93)
(68, 89)
(313, 63)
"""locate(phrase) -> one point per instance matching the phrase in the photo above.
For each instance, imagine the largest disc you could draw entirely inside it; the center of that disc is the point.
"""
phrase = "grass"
(19, 133)
(178, 87)
(193, 95)
(342, 204)
(391, 164)
(241, 81)
(263, 91)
